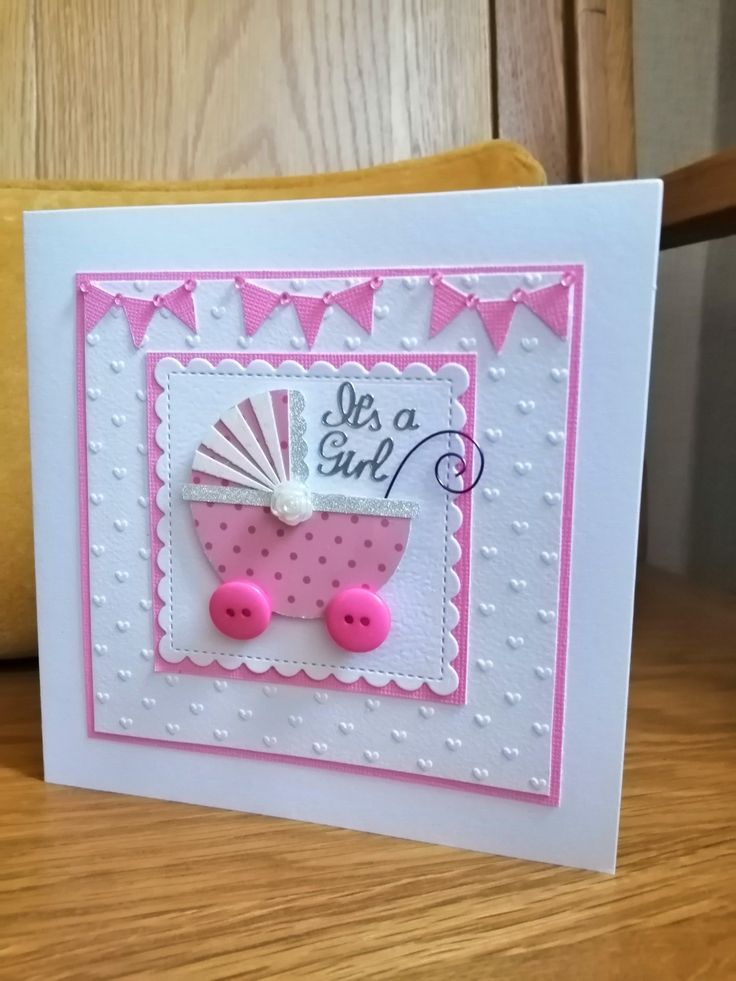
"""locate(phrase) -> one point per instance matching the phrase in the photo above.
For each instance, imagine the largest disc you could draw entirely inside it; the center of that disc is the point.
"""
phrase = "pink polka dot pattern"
(303, 567)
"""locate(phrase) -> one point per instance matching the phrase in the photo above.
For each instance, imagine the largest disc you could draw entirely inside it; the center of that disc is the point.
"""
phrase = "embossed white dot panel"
(488, 721)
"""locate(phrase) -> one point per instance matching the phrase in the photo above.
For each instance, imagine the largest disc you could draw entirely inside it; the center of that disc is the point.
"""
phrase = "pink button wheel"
(240, 610)
(358, 620)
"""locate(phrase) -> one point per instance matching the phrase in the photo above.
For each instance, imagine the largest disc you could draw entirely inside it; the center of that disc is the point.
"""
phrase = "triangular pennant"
(258, 304)
(95, 304)
(447, 303)
(551, 304)
(138, 313)
(181, 303)
(357, 302)
(496, 316)
(310, 310)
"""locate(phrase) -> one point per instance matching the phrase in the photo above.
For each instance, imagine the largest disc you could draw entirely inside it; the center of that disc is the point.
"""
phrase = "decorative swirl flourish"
(460, 468)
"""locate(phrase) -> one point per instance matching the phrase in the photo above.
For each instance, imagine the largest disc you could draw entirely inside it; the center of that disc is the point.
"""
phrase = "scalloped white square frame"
(421, 649)
(613, 230)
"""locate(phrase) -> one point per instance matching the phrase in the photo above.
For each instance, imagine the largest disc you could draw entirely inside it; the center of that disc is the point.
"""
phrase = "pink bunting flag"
(138, 313)
(551, 304)
(181, 303)
(447, 303)
(258, 304)
(357, 302)
(95, 304)
(310, 310)
(496, 316)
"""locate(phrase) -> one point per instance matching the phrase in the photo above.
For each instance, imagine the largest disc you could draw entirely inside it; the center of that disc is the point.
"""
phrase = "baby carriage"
(279, 548)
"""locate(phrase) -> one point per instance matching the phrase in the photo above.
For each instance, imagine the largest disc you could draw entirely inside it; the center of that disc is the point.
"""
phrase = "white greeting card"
(336, 506)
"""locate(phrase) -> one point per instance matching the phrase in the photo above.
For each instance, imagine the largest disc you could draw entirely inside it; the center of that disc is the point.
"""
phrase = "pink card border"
(550, 799)
(463, 501)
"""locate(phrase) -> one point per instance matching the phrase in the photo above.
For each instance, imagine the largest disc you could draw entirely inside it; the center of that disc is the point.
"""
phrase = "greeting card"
(336, 506)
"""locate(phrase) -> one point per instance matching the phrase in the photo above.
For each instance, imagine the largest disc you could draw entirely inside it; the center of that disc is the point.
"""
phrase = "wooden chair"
(700, 201)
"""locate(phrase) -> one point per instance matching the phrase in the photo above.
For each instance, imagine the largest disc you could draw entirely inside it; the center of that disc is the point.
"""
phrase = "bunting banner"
(259, 303)
(138, 311)
(550, 304)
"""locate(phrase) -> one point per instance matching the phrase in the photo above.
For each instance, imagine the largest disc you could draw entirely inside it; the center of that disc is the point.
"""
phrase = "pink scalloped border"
(463, 502)
(550, 799)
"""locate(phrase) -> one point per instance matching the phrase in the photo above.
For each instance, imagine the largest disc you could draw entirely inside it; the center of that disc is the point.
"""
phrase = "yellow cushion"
(493, 164)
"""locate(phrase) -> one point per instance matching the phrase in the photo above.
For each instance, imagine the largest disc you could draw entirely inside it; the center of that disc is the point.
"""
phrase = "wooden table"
(101, 886)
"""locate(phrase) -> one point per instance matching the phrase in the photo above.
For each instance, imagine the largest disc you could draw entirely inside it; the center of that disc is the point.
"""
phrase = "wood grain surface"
(17, 90)
(102, 886)
(605, 90)
(225, 88)
(196, 89)
(531, 83)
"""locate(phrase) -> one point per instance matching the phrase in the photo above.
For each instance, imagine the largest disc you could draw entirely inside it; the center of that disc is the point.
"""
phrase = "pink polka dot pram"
(278, 548)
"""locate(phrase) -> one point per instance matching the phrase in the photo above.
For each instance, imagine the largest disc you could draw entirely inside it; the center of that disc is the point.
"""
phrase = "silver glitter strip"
(297, 445)
(365, 505)
(339, 503)
(224, 495)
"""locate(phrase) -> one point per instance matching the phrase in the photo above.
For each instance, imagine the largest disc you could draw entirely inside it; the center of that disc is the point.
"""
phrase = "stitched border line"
(360, 672)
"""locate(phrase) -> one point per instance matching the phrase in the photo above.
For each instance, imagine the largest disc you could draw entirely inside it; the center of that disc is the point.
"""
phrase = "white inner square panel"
(420, 646)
